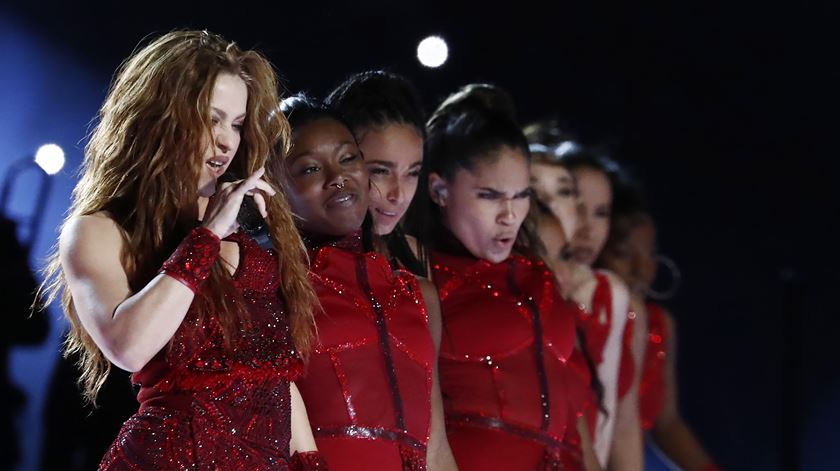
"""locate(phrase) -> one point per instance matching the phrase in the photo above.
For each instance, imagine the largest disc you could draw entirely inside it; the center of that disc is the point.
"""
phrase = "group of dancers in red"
(449, 292)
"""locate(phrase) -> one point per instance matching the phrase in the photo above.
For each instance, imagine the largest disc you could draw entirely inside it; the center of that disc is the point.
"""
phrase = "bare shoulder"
(86, 241)
(97, 225)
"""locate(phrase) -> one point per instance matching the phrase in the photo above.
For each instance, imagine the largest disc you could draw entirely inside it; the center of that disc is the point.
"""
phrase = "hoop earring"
(676, 278)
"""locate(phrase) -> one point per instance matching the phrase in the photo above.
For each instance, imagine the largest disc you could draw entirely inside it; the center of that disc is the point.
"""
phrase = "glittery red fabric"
(509, 395)
(308, 461)
(369, 377)
(652, 387)
(208, 406)
(582, 397)
(194, 258)
(590, 400)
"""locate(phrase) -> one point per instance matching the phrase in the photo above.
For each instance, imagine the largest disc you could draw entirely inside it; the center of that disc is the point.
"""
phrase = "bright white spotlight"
(50, 158)
(432, 51)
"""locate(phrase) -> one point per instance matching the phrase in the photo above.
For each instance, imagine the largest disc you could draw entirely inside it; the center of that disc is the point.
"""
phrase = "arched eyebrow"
(223, 115)
(500, 194)
(335, 149)
(391, 164)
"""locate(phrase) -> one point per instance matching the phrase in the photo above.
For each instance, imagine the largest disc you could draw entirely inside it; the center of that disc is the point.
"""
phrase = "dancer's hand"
(223, 208)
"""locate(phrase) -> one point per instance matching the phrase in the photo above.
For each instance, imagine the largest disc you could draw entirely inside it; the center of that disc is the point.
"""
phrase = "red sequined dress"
(511, 401)
(369, 379)
(652, 387)
(207, 407)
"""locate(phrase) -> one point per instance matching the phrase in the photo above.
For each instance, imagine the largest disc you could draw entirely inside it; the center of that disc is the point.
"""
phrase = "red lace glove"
(308, 461)
(192, 260)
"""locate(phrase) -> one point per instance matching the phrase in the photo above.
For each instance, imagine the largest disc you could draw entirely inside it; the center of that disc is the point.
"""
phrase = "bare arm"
(590, 460)
(626, 453)
(131, 328)
(438, 454)
(670, 431)
(302, 438)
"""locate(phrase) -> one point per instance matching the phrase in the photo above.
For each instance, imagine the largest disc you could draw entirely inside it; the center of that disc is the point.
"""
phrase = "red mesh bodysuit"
(508, 394)
(207, 407)
(369, 379)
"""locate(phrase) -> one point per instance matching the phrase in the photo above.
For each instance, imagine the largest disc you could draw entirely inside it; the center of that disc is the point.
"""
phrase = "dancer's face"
(393, 155)
(328, 182)
(228, 106)
(633, 259)
(556, 188)
(594, 222)
(484, 207)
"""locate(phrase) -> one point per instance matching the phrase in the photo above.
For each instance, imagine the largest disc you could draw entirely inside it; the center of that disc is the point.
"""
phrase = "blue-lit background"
(728, 112)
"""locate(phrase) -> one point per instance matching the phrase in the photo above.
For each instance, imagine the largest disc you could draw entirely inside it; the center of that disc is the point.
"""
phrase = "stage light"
(565, 147)
(432, 51)
(50, 158)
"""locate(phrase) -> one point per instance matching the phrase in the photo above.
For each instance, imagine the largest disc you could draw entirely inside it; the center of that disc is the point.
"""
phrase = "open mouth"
(390, 214)
(504, 241)
(342, 199)
(217, 165)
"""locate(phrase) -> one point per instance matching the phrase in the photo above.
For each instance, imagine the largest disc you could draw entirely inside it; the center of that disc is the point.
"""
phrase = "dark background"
(727, 111)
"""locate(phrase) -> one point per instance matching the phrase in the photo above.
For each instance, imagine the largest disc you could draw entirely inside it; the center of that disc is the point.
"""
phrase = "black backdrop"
(726, 110)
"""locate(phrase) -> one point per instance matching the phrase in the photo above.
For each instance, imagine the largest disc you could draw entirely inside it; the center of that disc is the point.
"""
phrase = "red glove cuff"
(194, 258)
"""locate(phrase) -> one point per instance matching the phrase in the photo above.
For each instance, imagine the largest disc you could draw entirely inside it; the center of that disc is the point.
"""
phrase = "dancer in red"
(386, 116)
(630, 253)
(604, 315)
(370, 378)
(157, 280)
(508, 394)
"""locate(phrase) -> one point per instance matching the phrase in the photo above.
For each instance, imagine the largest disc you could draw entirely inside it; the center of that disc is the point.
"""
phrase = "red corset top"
(370, 374)
(507, 335)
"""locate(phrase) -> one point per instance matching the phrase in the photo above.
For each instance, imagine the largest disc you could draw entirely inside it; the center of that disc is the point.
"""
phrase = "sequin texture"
(510, 399)
(193, 258)
(309, 461)
(205, 405)
(371, 371)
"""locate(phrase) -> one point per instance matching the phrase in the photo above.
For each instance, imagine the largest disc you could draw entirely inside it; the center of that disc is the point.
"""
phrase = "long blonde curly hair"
(142, 166)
